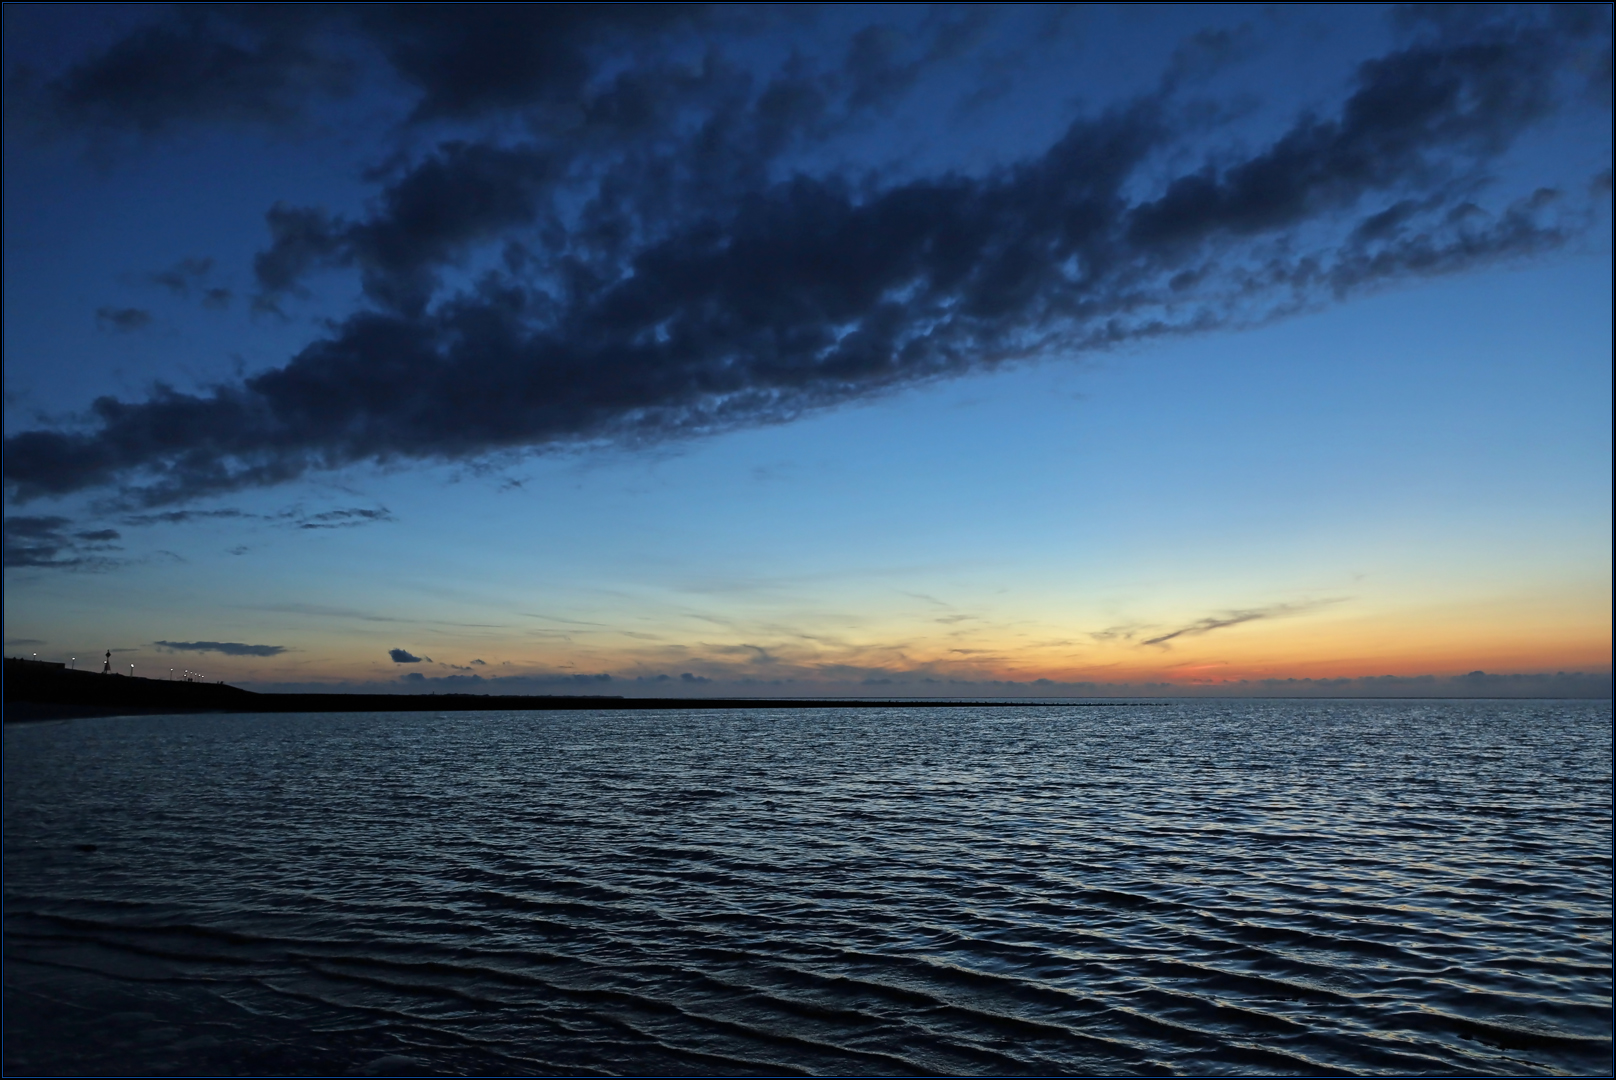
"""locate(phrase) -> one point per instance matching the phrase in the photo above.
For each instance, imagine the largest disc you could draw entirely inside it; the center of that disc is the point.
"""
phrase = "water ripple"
(1202, 888)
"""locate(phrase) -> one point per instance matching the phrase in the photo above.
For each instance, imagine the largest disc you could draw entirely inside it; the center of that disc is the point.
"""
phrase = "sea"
(1228, 887)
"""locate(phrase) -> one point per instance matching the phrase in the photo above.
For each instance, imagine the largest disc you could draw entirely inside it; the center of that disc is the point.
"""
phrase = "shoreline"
(36, 690)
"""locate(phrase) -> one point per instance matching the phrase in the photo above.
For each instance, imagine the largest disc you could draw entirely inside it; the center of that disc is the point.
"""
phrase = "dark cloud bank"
(1476, 684)
(649, 273)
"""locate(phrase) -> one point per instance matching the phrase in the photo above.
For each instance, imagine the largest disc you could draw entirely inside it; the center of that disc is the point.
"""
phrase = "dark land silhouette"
(37, 690)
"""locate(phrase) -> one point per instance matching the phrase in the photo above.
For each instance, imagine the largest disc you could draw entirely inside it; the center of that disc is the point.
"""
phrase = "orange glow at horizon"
(1329, 643)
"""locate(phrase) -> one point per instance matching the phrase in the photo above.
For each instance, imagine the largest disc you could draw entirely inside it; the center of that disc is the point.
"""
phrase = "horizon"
(1473, 685)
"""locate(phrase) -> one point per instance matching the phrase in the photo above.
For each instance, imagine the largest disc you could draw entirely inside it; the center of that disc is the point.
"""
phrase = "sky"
(814, 351)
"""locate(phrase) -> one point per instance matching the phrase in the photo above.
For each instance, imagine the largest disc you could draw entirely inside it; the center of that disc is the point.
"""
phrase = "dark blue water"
(1224, 887)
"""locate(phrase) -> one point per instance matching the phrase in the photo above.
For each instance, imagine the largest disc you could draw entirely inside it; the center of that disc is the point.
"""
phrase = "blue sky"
(1328, 467)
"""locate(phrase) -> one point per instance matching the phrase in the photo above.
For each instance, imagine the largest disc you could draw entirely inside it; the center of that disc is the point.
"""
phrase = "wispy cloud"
(50, 542)
(180, 277)
(122, 320)
(181, 517)
(345, 519)
(559, 619)
(324, 611)
(1236, 618)
(226, 648)
(295, 516)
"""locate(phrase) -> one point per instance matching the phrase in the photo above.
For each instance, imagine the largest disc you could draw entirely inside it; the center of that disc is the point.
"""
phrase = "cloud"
(1228, 619)
(189, 68)
(331, 612)
(464, 193)
(1207, 51)
(345, 519)
(687, 678)
(508, 684)
(188, 274)
(401, 656)
(268, 64)
(179, 278)
(24, 641)
(49, 542)
(295, 517)
(681, 289)
(1593, 685)
(227, 648)
(180, 517)
(473, 60)
(122, 320)
(1560, 684)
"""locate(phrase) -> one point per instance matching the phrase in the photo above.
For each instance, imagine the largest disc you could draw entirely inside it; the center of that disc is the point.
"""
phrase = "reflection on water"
(1234, 887)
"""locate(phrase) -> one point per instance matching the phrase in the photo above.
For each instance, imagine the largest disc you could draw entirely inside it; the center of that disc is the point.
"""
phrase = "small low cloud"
(404, 656)
(24, 641)
(540, 683)
(122, 320)
(226, 648)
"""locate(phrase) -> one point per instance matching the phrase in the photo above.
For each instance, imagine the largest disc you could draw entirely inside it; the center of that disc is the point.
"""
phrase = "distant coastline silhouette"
(37, 690)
